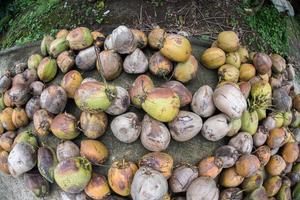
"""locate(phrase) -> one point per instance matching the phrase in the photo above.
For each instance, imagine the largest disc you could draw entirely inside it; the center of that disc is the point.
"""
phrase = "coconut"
(79, 38)
(276, 138)
(260, 137)
(70, 82)
(42, 120)
(244, 54)
(182, 177)
(47, 69)
(156, 38)
(94, 96)
(73, 175)
(46, 162)
(186, 71)
(95, 151)
(66, 61)
(185, 126)
(19, 117)
(234, 59)
(109, 64)
(247, 71)
(210, 167)
(32, 106)
(6, 119)
(162, 104)
(278, 63)
(7, 100)
(226, 155)
(235, 125)
(230, 178)
(36, 184)
(228, 73)
(21, 159)
(120, 103)
(183, 93)
(281, 100)
(66, 150)
(53, 99)
(202, 102)
(6, 140)
(253, 182)
(36, 88)
(139, 89)
(57, 46)
(140, 37)
(45, 44)
(148, 184)
(159, 65)
(276, 165)
(230, 100)
(243, 142)
(120, 176)
(62, 33)
(3, 162)
(25, 78)
(262, 63)
(123, 40)
(287, 118)
(276, 82)
(290, 72)
(216, 127)
(126, 127)
(231, 194)
(86, 59)
(202, 188)
(161, 162)
(247, 165)
(19, 94)
(213, 58)
(176, 48)
(296, 119)
(26, 136)
(64, 126)
(34, 61)
(108, 45)
(290, 152)
(93, 125)
(155, 136)
(228, 41)
(136, 62)
(5, 83)
(249, 122)
(98, 38)
(98, 187)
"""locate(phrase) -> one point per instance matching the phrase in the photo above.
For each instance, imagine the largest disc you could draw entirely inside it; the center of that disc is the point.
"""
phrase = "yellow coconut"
(177, 48)
(244, 54)
(228, 41)
(156, 38)
(186, 71)
(229, 73)
(213, 58)
(247, 71)
(233, 58)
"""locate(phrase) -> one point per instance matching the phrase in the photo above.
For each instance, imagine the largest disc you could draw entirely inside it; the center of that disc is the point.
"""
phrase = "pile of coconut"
(254, 105)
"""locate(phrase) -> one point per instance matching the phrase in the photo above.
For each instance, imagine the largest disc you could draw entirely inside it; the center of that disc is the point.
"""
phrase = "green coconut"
(73, 175)
(80, 38)
(45, 44)
(262, 113)
(233, 58)
(235, 125)
(249, 122)
(94, 96)
(47, 69)
(287, 118)
(284, 193)
(261, 88)
(26, 136)
(258, 194)
(58, 46)
(34, 61)
(279, 119)
(253, 182)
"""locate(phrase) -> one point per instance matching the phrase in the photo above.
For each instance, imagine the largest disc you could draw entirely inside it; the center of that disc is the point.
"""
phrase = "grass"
(28, 20)
(269, 27)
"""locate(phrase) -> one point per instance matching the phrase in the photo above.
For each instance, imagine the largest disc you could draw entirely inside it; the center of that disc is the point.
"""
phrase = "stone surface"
(191, 151)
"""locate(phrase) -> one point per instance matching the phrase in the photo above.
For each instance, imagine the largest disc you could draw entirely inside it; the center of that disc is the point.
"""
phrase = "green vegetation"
(24, 21)
(268, 25)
